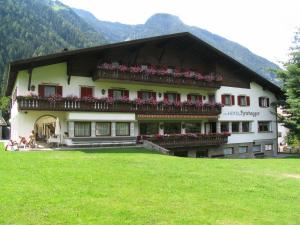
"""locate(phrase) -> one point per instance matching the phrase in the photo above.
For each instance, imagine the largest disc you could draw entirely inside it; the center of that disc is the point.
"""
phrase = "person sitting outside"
(32, 139)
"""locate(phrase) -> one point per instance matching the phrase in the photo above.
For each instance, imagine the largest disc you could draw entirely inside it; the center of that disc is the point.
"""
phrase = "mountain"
(37, 27)
(160, 24)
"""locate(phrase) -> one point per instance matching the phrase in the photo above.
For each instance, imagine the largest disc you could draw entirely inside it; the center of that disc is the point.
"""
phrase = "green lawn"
(133, 186)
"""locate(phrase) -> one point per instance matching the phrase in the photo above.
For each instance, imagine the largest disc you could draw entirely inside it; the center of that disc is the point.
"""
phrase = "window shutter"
(268, 102)
(89, 92)
(248, 100)
(260, 101)
(110, 93)
(140, 94)
(232, 100)
(239, 100)
(126, 93)
(153, 95)
(41, 90)
(223, 99)
(177, 97)
(59, 91)
(189, 98)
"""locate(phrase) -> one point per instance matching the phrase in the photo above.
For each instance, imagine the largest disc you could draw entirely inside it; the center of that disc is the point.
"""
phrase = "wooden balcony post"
(202, 127)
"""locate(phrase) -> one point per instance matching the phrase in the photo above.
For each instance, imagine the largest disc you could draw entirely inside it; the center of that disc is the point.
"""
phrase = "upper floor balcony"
(119, 105)
(150, 74)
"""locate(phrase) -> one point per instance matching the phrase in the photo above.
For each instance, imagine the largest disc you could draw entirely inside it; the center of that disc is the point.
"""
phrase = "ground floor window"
(103, 129)
(264, 126)
(122, 129)
(235, 127)
(224, 127)
(245, 126)
(269, 147)
(228, 151)
(256, 148)
(82, 129)
(193, 127)
(243, 149)
(148, 128)
(172, 128)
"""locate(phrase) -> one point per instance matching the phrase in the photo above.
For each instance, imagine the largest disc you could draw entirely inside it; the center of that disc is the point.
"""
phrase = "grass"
(132, 186)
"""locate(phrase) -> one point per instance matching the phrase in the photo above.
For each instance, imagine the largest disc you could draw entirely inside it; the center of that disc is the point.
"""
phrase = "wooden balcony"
(147, 78)
(100, 105)
(189, 140)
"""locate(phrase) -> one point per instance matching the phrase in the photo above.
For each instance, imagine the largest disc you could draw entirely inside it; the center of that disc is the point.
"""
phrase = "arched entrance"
(44, 126)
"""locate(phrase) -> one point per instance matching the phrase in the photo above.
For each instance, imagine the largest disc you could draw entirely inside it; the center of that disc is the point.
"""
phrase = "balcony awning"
(175, 117)
(2, 121)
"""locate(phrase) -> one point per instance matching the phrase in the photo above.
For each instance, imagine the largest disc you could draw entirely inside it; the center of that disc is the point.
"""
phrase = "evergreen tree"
(291, 87)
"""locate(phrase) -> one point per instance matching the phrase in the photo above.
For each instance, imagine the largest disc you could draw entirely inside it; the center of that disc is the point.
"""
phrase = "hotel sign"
(241, 113)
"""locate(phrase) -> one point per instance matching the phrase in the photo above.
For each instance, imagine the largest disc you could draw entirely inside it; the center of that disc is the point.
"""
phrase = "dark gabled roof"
(17, 65)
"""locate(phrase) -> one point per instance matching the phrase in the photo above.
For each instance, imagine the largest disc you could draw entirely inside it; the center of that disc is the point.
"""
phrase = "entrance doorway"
(44, 127)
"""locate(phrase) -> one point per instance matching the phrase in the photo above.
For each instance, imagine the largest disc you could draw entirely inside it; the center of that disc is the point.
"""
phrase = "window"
(264, 102)
(192, 127)
(194, 98)
(256, 148)
(228, 100)
(243, 149)
(224, 127)
(146, 95)
(82, 129)
(172, 97)
(264, 126)
(103, 129)
(148, 128)
(228, 151)
(49, 90)
(172, 128)
(245, 126)
(268, 147)
(122, 129)
(117, 94)
(86, 92)
(211, 98)
(243, 100)
(235, 127)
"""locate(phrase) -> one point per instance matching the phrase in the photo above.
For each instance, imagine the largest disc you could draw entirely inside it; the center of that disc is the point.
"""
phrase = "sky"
(265, 27)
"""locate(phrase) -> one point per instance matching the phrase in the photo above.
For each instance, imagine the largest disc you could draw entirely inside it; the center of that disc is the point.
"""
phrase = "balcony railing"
(101, 105)
(148, 78)
(189, 140)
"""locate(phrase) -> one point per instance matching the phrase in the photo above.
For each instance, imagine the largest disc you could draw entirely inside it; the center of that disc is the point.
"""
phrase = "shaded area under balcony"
(102, 105)
(101, 74)
(184, 141)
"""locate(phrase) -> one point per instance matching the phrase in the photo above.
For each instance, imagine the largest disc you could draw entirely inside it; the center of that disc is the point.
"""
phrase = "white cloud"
(265, 27)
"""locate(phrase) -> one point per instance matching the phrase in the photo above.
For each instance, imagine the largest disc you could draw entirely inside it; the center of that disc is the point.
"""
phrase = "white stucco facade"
(22, 122)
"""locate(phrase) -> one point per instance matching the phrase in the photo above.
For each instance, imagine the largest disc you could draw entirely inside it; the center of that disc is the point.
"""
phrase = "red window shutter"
(110, 93)
(268, 102)
(177, 97)
(126, 93)
(153, 95)
(223, 99)
(248, 100)
(41, 90)
(140, 94)
(59, 90)
(232, 100)
(189, 97)
(89, 92)
(239, 100)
